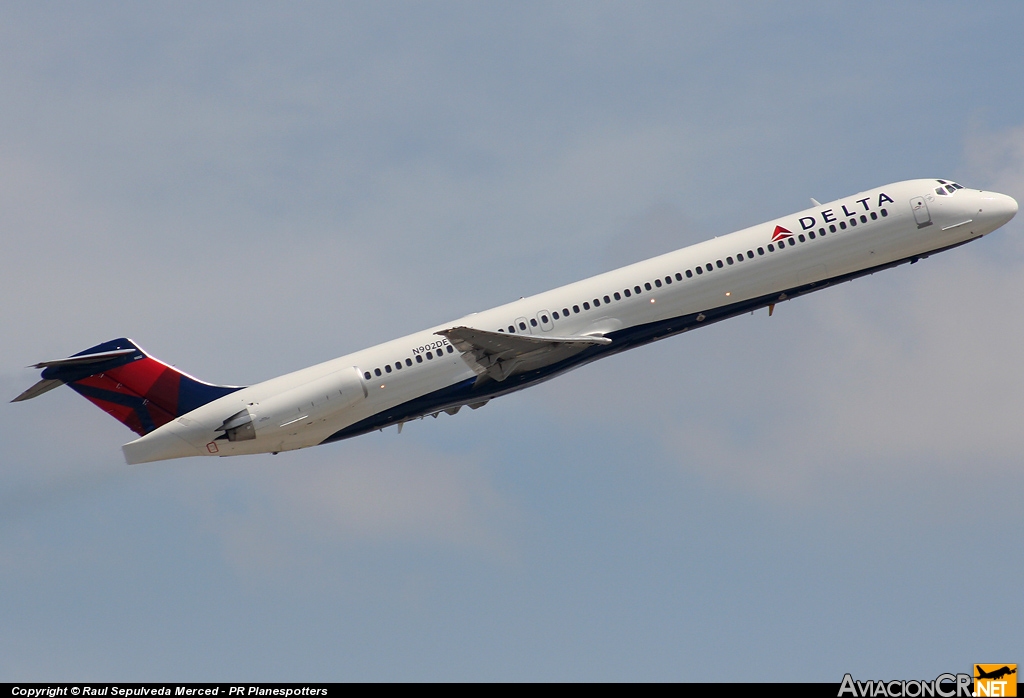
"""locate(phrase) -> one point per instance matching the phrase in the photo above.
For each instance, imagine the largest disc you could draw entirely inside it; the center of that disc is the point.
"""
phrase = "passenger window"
(398, 365)
(884, 213)
(627, 293)
(842, 225)
(811, 235)
(522, 326)
(533, 323)
(657, 282)
(728, 260)
(451, 350)
(637, 289)
(607, 300)
(689, 274)
(708, 266)
(565, 312)
(367, 375)
(647, 286)
(511, 329)
(597, 303)
(719, 264)
(586, 306)
(576, 309)
(408, 362)
(617, 296)
(831, 229)
(863, 218)
(760, 250)
(554, 314)
(544, 319)
(853, 222)
(802, 239)
(679, 277)
(874, 216)
(700, 270)
(376, 371)
(387, 369)
(668, 279)
(771, 248)
(430, 355)
(419, 358)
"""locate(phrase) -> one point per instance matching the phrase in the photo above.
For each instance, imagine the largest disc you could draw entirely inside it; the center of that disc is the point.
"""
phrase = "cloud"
(997, 158)
(347, 496)
(873, 387)
(903, 375)
(246, 190)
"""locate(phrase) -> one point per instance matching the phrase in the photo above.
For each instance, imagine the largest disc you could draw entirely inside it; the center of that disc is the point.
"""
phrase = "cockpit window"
(949, 187)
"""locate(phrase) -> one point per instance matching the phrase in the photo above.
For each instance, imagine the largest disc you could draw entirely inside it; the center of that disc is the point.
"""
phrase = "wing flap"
(499, 355)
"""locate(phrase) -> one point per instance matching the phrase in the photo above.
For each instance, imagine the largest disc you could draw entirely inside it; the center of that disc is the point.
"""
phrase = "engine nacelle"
(288, 412)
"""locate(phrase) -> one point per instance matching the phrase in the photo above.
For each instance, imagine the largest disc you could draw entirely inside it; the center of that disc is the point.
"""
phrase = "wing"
(499, 355)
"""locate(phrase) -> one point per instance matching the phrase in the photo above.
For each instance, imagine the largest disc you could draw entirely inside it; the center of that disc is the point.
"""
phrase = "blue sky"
(246, 189)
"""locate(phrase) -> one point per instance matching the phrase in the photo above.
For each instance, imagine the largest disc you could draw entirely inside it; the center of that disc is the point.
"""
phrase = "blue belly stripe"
(478, 389)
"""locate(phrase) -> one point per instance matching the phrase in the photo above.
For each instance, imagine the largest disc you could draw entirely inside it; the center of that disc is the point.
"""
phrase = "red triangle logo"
(780, 233)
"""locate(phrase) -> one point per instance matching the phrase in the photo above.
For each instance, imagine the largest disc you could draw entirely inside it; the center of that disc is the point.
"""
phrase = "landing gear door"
(921, 214)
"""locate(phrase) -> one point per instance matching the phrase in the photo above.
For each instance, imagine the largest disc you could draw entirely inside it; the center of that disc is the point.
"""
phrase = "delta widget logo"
(780, 233)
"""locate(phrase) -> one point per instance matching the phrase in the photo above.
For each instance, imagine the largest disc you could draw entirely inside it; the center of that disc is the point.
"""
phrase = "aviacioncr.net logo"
(995, 680)
(943, 686)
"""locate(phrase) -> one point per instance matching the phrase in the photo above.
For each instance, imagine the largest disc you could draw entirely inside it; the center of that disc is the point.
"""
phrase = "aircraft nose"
(1011, 207)
(1000, 207)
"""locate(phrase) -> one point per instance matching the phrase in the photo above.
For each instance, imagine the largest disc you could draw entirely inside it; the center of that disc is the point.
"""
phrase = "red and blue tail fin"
(139, 391)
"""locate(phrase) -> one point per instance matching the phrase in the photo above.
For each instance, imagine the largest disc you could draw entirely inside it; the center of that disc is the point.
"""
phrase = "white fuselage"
(423, 373)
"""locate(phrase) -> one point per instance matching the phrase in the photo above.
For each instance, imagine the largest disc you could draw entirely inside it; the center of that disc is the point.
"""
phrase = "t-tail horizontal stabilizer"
(139, 391)
(78, 361)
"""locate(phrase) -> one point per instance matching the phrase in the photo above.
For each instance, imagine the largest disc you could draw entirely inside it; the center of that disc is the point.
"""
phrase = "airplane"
(469, 361)
(995, 674)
